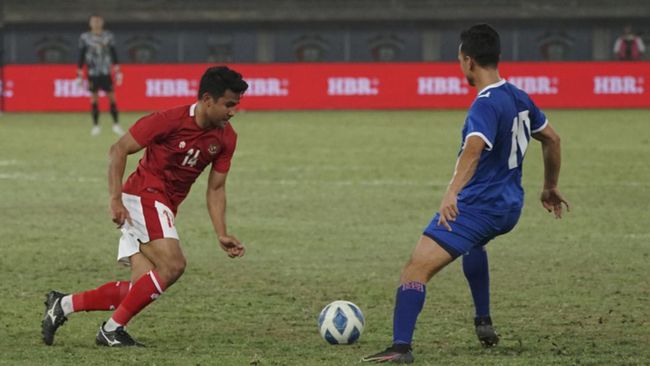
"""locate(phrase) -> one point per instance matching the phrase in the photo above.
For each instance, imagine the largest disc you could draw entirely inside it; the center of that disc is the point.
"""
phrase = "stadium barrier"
(336, 86)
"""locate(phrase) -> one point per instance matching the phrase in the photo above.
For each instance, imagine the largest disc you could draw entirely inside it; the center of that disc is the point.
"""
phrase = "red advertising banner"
(336, 86)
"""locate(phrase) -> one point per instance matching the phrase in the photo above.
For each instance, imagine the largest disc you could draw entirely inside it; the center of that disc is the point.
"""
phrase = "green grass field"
(330, 205)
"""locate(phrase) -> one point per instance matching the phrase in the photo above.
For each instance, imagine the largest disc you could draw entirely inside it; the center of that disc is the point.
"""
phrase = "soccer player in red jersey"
(180, 143)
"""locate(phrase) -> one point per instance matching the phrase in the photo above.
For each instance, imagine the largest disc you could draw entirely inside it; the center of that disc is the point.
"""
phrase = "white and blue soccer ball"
(341, 322)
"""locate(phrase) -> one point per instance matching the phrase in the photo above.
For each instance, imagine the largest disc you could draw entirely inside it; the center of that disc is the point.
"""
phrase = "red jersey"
(177, 151)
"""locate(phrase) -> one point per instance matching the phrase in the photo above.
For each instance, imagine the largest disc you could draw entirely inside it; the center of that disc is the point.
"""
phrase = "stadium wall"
(336, 86)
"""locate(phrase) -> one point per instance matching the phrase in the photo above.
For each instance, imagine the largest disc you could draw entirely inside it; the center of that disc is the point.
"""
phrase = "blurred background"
(259, 31)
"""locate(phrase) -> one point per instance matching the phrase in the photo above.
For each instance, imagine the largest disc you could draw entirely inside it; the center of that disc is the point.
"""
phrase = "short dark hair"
(216, 80)
(482, 43)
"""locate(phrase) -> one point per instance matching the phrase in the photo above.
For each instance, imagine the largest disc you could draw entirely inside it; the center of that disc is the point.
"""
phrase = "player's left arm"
(216, 201)
(465, 169)
(551, 198)
(81, 60)
(116, 64)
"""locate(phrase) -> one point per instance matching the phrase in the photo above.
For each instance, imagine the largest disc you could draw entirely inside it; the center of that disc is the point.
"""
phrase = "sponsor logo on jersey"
(535, 85)
(181, 145)
(626, 84)
(213, 149)
(352, 86)
(442, 85)
(267, 87)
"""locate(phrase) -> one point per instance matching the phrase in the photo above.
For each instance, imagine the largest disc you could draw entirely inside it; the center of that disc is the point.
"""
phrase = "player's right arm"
(480, 126)
(465, 168)
(116, 67)
(551, 197)
(82, 58)
(117, 154)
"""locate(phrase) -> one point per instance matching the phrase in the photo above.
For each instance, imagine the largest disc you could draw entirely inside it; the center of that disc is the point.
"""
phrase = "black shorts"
(103, 82)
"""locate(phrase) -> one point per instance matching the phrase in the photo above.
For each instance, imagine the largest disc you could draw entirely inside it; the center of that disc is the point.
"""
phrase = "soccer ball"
(341, 322)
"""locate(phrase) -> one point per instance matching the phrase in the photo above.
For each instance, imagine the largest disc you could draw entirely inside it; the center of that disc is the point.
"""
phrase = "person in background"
(629, 46)
(97, 52)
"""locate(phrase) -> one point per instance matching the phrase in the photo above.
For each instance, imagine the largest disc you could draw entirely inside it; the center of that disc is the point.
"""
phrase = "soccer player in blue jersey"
(484, 198)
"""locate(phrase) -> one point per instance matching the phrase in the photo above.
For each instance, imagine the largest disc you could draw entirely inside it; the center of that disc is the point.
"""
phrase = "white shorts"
(151, 220)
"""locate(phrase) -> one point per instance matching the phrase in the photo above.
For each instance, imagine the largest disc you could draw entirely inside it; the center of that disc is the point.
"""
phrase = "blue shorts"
(471, 229)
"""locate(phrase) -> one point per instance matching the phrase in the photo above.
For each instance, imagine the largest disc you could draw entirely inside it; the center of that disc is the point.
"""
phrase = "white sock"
(66, 305)
(111, 325)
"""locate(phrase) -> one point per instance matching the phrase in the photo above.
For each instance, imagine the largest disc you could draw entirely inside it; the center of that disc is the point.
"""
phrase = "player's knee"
(172, 270)
(416, 270)
(177, 267)
(423, 265)
(424, 269)
(419, 262)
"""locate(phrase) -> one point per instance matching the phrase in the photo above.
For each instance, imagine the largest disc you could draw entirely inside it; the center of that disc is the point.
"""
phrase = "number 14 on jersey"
(191, 158)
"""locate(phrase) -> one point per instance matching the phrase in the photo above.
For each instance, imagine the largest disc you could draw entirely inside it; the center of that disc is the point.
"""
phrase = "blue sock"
(408, 304)
(475, 267)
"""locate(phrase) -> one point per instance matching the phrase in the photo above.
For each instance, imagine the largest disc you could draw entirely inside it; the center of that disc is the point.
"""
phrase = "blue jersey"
(504, 117)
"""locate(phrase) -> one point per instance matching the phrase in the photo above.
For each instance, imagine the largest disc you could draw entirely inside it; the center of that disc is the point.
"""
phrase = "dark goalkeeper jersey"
(97, 51)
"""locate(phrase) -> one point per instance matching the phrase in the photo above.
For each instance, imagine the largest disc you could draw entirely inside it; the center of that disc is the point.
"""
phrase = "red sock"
(105, 297)
(144, 291)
